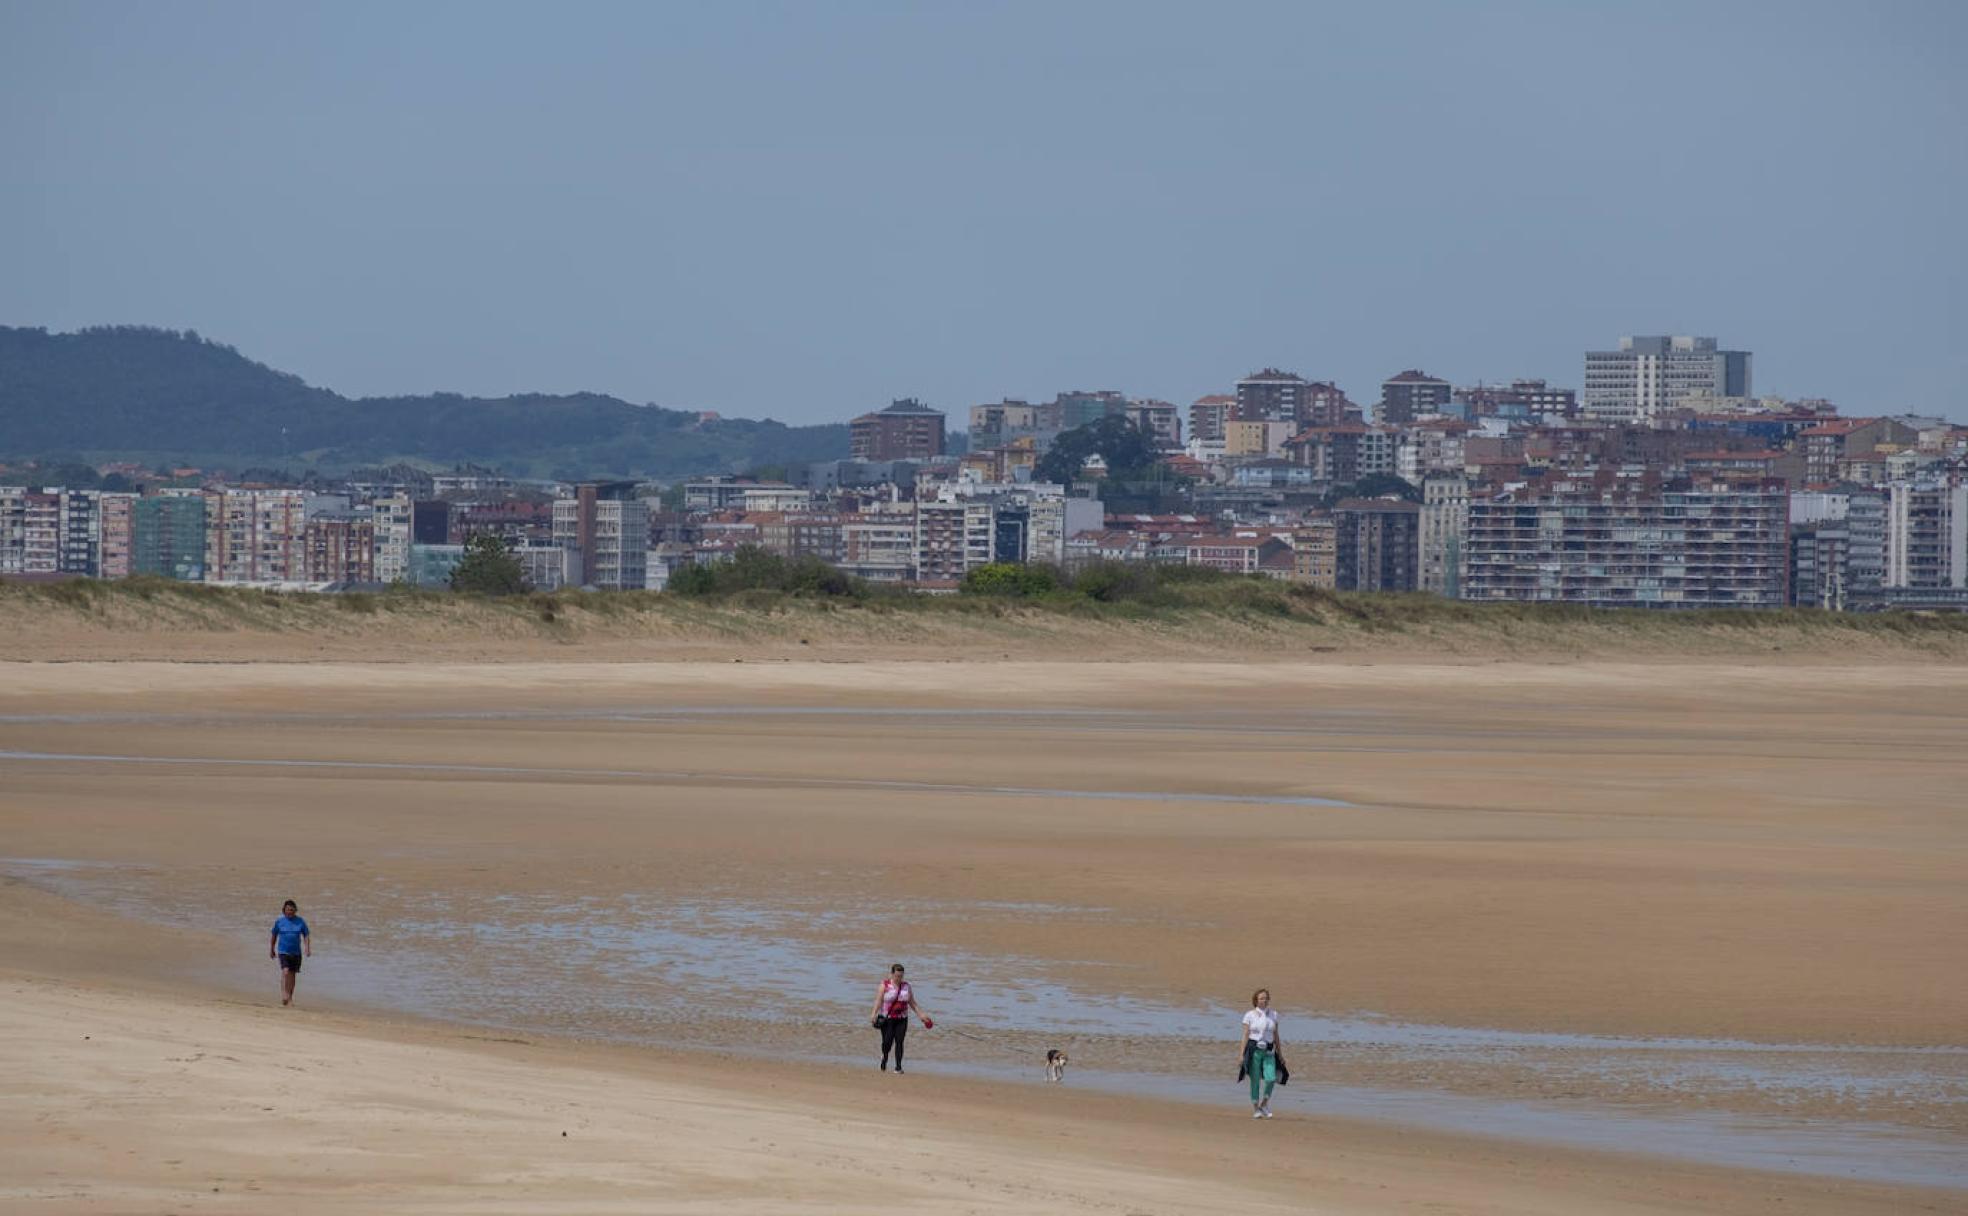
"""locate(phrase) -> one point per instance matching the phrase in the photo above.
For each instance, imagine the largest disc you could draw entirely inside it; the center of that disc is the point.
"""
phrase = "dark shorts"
(290, 962)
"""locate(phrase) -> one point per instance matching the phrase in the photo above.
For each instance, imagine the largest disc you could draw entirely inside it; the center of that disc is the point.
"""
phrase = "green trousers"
(1264, 1073)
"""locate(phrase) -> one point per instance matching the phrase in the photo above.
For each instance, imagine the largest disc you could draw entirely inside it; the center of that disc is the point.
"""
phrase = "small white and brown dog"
(1055, 1065)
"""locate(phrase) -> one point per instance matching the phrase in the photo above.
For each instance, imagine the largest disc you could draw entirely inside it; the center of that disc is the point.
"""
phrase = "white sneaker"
(1256, 1113)
(1265, 1111)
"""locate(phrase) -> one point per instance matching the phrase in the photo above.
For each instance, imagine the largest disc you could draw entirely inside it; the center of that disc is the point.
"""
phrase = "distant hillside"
(139, 393)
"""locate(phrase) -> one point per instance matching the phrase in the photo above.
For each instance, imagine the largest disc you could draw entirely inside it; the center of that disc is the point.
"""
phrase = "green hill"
(131, 392)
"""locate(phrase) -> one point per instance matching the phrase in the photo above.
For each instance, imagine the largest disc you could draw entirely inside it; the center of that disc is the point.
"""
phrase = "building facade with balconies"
(1631, 545)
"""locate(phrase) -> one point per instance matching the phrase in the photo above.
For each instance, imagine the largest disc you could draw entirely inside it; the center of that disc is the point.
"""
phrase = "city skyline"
(801, 214)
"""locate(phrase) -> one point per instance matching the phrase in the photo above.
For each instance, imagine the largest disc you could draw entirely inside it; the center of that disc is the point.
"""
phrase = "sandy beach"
(1707, 917)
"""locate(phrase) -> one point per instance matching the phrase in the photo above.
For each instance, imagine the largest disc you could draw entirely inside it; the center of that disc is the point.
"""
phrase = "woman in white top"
(1258, 1052)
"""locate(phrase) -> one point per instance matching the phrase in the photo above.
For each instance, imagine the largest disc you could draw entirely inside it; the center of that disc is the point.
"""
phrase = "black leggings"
(894, 1031)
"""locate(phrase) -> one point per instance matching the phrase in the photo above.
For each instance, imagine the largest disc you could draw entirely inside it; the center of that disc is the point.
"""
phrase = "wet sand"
(1492, 884)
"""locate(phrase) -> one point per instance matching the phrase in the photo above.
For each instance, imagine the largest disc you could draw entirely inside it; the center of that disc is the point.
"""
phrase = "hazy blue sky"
(803, 210)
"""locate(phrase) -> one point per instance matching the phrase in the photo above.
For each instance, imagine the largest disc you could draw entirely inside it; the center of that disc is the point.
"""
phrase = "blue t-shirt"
(289, 930)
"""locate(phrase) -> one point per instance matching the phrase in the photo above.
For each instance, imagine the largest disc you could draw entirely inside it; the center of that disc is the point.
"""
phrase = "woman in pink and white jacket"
(893, 1002)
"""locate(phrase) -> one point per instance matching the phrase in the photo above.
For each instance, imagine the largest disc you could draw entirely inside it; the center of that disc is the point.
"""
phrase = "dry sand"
(145, 1103)
(1735, 850)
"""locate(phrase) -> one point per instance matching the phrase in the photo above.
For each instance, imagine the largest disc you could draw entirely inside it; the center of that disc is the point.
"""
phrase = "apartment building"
(1444, 521)
(255, 536)
(879, 543)
(1048, 521)
(1830, 446)
(1631, 544)
(41, 532)
(1255, 438)
(1279, 396)
(607, 526)
(1272, 395)
(31, 531)
(906, 430)
(1410, 395)
(78, 525)
(1820, 558)
(1865, 527)
(394, 517)
(1209, 415)
(1837, 548)
(801, 534)
(116, 552)
(1003, 421)
(1012, 462)
(1376, 544)
(1522, 400)
(1315, 557)
(1161, 421)
(1326, 405)
(13, 529)
(953, 538)
(168, 535)
(340, 547)
(1012, 532)
(1430, 447)
(1341, 455)
(1927, 535)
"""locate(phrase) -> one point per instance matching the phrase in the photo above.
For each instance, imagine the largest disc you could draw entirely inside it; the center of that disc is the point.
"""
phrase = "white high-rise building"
(1927, 534)
(1649, 375)
(391, 513)
(13, 529)
(1444, 524)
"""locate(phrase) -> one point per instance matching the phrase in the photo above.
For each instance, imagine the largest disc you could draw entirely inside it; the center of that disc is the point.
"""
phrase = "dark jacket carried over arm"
(1243, 1070)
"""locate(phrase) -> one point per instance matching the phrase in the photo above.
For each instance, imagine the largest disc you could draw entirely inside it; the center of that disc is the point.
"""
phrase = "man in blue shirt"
(290, 941)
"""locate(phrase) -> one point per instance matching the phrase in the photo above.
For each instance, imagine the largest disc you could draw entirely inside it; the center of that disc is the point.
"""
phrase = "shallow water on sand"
(663, 776)
(735, 973)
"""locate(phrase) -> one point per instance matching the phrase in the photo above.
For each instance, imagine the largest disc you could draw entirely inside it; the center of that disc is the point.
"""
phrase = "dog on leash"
(1055, 1065)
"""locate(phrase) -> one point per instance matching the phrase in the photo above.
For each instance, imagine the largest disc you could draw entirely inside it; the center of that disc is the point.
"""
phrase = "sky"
(802, 211)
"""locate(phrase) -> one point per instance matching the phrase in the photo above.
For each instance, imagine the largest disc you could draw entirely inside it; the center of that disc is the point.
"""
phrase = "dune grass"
(753, 605)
